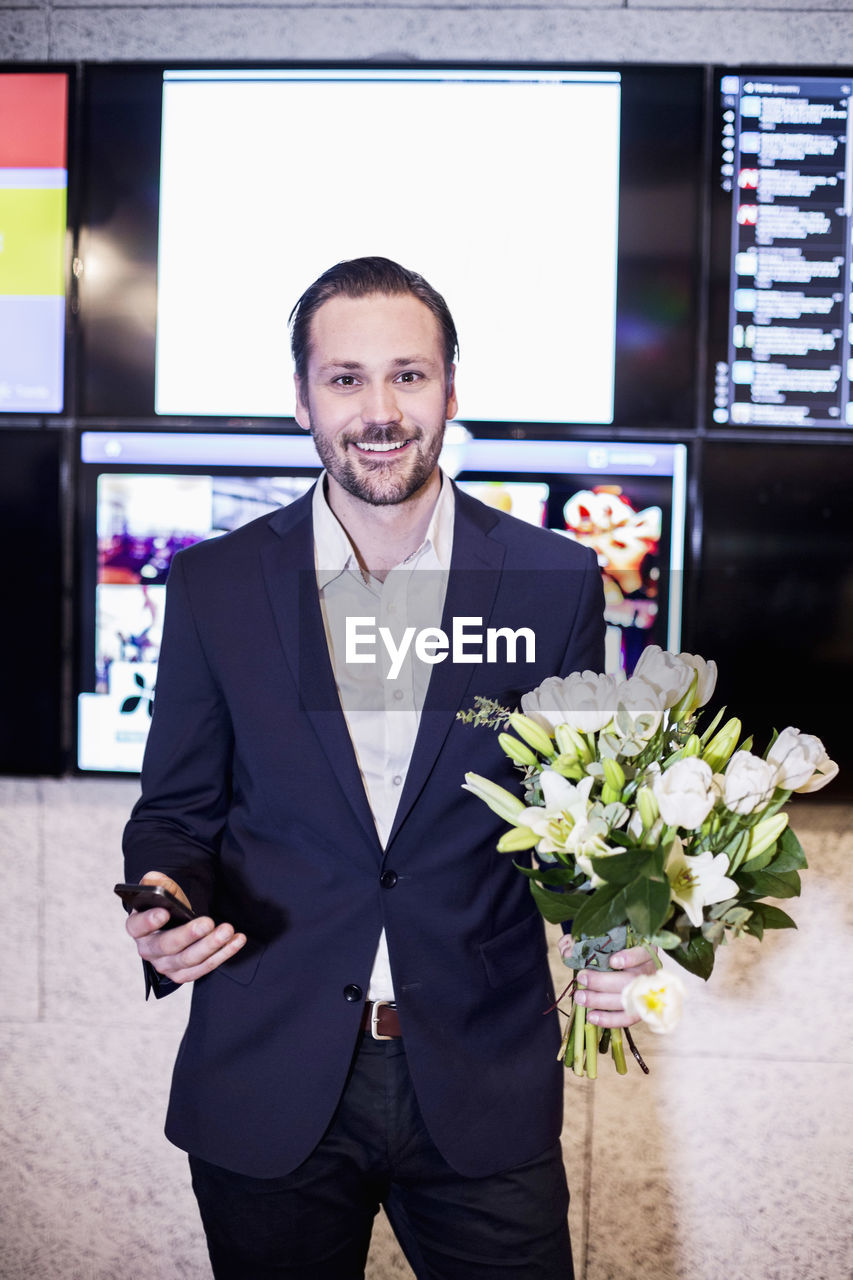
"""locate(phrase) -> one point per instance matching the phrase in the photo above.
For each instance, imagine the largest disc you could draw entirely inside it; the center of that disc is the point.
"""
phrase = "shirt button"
(388, 879)
(353, 993)
(396, 779)
(398, 693)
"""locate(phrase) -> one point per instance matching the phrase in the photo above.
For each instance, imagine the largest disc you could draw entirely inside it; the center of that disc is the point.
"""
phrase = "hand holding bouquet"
(646, 832)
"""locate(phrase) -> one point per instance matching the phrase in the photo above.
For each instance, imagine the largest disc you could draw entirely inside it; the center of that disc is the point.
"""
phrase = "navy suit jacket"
(253, 802)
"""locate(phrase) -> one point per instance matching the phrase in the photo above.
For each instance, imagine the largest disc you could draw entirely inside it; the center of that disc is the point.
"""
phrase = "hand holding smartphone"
(143, 897)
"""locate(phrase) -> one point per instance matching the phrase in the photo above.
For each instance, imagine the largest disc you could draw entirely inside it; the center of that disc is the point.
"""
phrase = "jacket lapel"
(291, 583)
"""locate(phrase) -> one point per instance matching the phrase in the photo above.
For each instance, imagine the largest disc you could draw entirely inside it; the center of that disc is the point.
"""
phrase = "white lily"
(698, 880)
(565, 807)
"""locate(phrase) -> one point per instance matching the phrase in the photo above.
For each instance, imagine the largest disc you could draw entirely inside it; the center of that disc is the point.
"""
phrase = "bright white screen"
(500, 188)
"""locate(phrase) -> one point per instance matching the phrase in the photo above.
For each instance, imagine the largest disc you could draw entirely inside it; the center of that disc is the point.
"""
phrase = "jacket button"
(353, 993)
(388, 879)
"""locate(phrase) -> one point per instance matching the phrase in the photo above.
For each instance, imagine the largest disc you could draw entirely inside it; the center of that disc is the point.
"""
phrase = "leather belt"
(381, 1019)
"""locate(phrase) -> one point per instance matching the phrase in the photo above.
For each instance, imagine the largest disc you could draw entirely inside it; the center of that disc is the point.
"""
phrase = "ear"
(452, 403)
(302, 416)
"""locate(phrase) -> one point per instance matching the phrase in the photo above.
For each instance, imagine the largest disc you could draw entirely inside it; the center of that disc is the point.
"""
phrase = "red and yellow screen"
(33, 184)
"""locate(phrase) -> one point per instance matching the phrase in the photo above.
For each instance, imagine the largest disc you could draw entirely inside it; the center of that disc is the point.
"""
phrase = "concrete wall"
(773, 31)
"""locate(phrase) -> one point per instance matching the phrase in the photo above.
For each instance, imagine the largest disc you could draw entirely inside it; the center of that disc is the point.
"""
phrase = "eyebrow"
(399, 362)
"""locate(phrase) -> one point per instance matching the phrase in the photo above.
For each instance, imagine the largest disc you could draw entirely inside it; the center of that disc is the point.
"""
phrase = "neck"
(384, 535)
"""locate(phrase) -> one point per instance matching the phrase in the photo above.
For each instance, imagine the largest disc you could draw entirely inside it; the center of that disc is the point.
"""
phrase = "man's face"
(376, 395)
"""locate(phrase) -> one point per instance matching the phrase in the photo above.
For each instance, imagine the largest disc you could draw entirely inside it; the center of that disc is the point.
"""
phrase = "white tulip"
(657, 998)
(685, 793)
(707, 678)
(748, 783)
(667, 672)
(640, 709)
(585, 700)
(801, 761)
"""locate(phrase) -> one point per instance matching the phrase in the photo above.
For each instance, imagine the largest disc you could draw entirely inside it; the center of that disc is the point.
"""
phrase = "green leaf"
(773, 917)
(770, 883)
(556, 907)
(712, 727)
(623, 868)
(789, 853)
(665, 940)
(603, 911)
(559, 875)
(696, 957)
(648, 903)
(761, 860)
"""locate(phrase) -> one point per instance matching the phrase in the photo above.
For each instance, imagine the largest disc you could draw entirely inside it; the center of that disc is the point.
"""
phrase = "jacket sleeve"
(176, 825)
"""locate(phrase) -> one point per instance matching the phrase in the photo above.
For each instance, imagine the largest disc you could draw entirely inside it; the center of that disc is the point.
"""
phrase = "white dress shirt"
(382, 709)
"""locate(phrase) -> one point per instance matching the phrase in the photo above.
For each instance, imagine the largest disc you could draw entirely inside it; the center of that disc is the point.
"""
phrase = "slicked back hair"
(357, 279)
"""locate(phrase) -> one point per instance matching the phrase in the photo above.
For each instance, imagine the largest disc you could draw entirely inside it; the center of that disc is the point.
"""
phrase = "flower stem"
(635, 1051)
(579, 1039)
(618, 1051)
(565, 1043)
(591, 1037)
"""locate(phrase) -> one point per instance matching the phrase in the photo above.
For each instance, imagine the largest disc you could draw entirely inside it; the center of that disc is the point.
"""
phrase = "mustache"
(393, 434)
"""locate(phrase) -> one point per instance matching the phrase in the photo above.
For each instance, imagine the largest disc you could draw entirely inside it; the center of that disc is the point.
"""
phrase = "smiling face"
(376, 395)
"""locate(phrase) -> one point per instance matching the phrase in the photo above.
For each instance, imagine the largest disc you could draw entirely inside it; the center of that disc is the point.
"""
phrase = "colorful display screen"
(33, 182)
(785, 191)
(146, 495)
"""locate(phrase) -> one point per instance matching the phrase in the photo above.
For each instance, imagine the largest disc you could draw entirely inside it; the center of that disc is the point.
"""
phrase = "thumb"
(170, 885)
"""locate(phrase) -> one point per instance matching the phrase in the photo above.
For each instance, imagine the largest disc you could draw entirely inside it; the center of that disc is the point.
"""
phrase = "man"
(311, 799)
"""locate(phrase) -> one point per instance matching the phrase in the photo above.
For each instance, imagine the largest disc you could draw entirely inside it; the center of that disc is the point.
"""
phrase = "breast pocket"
(515, 951)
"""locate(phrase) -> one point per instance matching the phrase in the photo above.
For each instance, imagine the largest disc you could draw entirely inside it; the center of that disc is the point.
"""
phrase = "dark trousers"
(315, 1223)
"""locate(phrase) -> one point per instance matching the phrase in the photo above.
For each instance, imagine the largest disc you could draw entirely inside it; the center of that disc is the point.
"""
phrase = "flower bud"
(517, 840)
(572, 742)
(721, 746)
(532, 733)
(517, 751)
(764, 834)
(499, 800)
(614, 774)
(568, 767)
(610, 795)
(648, 807)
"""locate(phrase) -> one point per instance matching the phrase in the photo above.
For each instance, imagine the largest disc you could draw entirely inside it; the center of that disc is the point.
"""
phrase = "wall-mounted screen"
(774, 597)
(33, 185)
(557, 209)
(145, 495)
(784, 236)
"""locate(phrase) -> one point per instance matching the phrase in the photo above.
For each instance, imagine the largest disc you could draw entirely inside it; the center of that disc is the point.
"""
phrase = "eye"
(409, 376)
(344, 380)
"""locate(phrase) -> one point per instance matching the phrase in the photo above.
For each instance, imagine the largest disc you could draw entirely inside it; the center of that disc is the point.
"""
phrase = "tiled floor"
(732, 1161)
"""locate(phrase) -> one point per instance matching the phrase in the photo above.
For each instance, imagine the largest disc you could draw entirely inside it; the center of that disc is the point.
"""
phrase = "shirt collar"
(333, 551)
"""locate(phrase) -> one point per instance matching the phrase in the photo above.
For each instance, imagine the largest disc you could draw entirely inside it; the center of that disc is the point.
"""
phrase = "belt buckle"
(374, 1018)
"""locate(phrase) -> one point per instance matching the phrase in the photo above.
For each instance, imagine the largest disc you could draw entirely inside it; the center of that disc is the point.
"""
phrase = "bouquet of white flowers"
(646, 832)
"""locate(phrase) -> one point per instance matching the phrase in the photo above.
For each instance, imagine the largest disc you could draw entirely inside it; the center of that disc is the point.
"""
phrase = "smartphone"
(142, 897)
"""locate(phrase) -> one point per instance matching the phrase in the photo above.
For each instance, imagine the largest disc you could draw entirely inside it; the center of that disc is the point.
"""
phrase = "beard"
(373, 479)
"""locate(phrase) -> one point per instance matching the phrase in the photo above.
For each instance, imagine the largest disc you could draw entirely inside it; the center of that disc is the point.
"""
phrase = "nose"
(379, 405)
